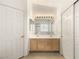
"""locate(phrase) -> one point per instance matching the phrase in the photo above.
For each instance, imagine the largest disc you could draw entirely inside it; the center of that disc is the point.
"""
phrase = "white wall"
(29, 14)
(57, 23)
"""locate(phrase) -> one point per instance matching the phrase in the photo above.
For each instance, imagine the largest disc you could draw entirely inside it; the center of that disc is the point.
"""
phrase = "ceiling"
(48, 2)
(52, 3)
(43, 9)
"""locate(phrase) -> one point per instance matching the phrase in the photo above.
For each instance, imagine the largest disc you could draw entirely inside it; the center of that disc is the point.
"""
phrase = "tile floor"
(43, 56)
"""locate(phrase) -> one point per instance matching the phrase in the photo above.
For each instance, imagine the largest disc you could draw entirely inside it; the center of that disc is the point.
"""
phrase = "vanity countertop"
(45, 38)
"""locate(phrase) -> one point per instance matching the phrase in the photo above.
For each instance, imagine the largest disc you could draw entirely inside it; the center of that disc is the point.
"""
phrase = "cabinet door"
(55, 45)
(41, 45)
(48, 45)
(33, 45)
(52, 45)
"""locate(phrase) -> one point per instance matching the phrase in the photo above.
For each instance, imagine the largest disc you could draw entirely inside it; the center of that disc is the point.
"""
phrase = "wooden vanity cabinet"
(43, 44)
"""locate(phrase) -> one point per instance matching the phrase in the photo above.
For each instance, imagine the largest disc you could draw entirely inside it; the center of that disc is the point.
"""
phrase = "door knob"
(62, 36)
(21, 35)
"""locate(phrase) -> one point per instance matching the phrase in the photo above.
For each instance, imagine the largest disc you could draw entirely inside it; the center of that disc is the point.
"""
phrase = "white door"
(67, 33)
(11, 30)
(77, 30)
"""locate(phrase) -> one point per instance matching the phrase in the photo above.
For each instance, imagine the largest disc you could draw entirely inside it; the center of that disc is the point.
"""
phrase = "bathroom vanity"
(44, 44)
(42, 34)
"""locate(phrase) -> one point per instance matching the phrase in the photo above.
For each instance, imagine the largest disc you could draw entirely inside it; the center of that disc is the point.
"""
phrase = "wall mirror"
(43, 25)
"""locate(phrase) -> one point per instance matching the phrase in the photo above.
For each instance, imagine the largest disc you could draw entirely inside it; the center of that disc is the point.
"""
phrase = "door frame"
(74, 29)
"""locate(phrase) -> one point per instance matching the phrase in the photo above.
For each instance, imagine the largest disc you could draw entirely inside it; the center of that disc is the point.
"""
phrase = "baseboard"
(44, 51)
